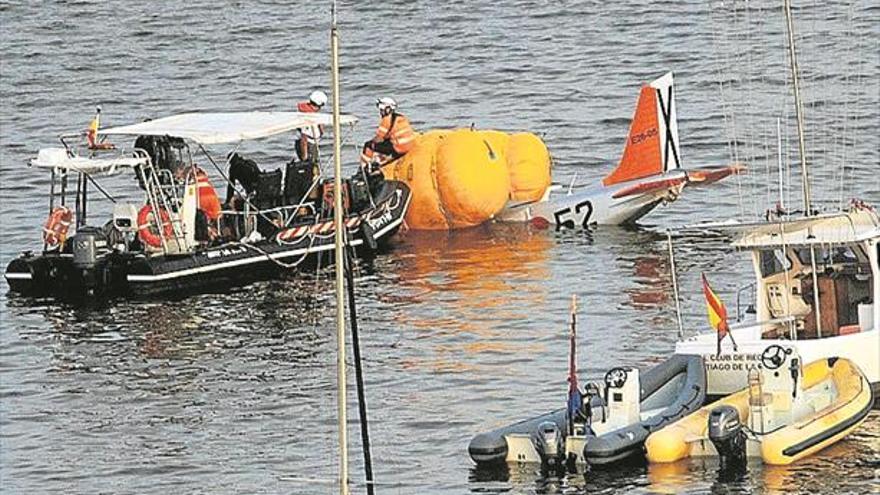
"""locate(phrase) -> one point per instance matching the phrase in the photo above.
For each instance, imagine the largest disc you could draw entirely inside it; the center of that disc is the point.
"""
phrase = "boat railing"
(773, 322)
(749, 298)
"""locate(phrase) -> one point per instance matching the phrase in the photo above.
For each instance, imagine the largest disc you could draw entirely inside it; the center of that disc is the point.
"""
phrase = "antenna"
(675, 285)
(798, 107)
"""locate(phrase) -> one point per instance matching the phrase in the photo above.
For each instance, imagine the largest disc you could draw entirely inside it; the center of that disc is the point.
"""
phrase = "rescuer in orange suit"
(394, 136)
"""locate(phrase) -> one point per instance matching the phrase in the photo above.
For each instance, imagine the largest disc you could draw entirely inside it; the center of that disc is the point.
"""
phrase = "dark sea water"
(234, 391)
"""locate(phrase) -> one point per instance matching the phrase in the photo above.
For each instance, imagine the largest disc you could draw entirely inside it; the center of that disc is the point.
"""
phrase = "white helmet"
(318, 98)
(386, 104)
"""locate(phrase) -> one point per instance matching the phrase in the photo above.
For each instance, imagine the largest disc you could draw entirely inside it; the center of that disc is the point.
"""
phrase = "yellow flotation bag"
(528, 162)
(463, 177)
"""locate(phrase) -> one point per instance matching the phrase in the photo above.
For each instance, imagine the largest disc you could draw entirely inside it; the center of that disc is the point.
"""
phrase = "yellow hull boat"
(782, 416)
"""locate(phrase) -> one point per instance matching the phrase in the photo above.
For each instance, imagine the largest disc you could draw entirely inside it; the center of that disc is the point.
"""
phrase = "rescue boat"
(787, 412)
(180, 237)
(616, 416)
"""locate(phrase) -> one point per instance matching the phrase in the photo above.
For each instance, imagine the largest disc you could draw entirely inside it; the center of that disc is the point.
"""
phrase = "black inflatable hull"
(614, 446)
(226, 265)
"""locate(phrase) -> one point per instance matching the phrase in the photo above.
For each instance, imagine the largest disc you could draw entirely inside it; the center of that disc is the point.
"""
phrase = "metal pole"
(675, 285)
(798, 106)
(779, 162)
(340, 266)
(358, 371)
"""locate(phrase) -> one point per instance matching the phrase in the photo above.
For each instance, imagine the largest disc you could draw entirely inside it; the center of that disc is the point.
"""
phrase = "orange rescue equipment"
(461, 178)
(57, 225)
(208, 200)
(147, 228)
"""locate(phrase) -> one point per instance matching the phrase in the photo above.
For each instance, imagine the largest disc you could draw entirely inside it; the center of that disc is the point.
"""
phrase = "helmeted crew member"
(307, 137)
(394, 136)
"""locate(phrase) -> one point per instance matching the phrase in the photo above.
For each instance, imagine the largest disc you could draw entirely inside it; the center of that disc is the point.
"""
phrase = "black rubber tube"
(358, 371)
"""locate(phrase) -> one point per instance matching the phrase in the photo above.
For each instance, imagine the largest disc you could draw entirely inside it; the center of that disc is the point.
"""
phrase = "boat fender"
(148, 231)
(57, 225)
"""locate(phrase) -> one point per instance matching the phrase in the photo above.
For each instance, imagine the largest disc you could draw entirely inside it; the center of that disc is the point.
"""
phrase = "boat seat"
(778, 302)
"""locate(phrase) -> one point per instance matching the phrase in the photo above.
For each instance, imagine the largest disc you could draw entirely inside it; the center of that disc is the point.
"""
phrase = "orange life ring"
(148, 231)
(57, 225)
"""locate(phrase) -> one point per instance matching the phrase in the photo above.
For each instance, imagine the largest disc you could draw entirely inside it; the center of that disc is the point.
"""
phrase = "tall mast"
(340, 266)
(798, 105)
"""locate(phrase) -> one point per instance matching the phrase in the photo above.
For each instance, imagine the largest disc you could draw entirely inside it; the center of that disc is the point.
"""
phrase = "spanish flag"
(717, 314)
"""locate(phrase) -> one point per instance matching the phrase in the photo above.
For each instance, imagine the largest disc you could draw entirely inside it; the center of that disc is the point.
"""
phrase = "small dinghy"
(787, 412)
(604, 423)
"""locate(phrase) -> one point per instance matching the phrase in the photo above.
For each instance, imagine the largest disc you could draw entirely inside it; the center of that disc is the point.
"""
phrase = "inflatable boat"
(615, 418)
(785, 414)
(180, 238)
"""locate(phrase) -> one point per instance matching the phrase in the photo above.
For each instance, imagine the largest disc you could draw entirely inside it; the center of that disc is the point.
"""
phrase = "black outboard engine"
(89, 246)
(727, 435)
(549, 441)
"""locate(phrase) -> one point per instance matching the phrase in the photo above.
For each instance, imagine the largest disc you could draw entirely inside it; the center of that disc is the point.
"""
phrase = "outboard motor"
(550, 444)
(89, 244)
(727, 434)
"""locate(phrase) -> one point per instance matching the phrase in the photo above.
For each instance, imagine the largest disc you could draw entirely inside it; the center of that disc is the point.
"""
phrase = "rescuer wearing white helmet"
(394, 136)
(307, 138)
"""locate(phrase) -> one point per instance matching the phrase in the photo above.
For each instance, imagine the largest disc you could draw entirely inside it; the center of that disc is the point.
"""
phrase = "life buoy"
(57, 225)
(148, 231)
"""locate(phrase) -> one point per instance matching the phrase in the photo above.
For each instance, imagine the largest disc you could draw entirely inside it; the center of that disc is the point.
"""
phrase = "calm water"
(234, 391)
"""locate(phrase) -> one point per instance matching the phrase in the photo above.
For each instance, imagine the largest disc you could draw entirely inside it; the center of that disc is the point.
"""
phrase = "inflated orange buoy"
(148, 231)
(416, 170)
(461, 178)
(528, 162)
(471, 177)
(57, 225)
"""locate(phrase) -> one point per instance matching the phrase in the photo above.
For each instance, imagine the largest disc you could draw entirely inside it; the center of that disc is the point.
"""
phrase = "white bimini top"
(226, 127)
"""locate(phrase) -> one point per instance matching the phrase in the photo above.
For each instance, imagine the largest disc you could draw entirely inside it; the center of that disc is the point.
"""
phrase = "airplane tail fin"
(652, 144)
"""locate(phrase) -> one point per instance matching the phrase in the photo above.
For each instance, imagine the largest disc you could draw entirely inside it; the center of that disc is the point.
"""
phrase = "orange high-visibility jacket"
(397, 128)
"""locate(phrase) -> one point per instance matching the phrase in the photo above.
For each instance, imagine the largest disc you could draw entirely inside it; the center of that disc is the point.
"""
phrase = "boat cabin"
(836, 254)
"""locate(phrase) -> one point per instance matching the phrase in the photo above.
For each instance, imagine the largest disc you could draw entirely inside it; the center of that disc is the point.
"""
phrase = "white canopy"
(228, 127)
(59, 159)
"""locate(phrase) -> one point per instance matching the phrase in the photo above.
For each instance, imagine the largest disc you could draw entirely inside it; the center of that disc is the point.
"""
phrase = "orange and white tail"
(652, 144)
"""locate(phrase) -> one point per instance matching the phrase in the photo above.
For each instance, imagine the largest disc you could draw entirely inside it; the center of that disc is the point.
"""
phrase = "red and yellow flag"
(717, 313)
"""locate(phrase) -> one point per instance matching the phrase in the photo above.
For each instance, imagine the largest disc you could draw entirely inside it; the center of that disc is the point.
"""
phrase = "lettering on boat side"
(222, 253)
(377, 223)
(733, 362)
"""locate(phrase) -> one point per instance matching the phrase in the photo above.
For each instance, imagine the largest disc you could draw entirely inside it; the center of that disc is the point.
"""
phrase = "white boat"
(649, 173)
(839, 254)
(817, 283)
